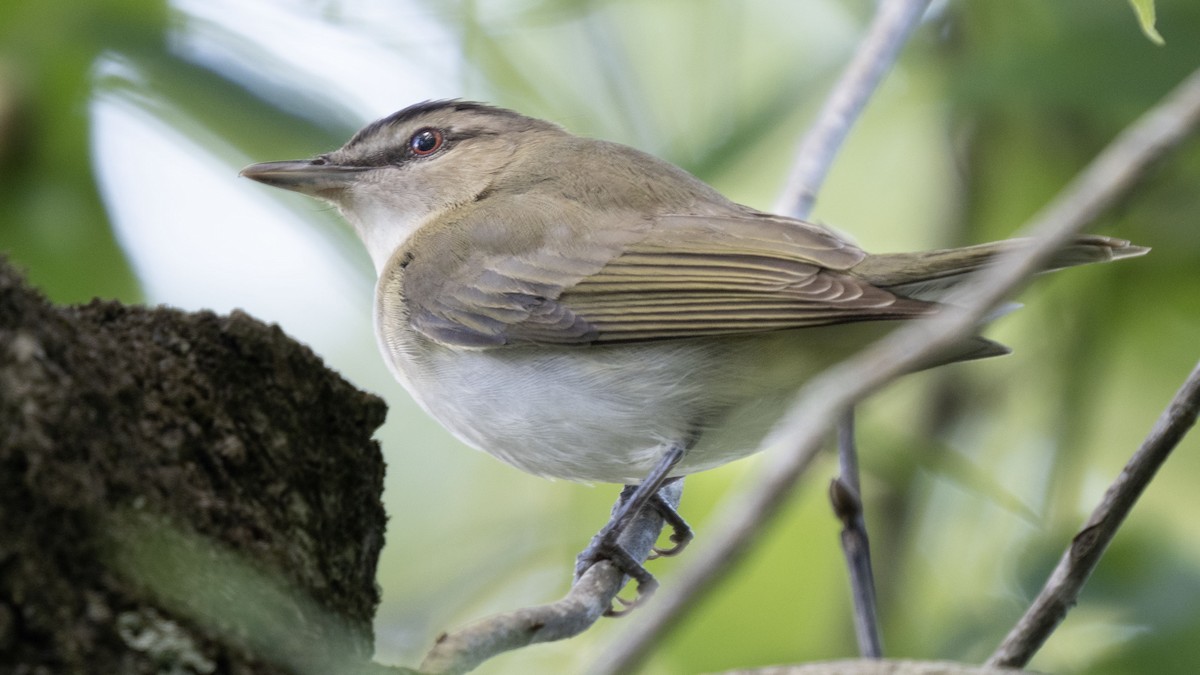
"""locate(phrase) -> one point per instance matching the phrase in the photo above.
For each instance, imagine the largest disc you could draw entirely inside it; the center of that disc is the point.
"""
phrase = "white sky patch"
(199, 237)
(372, 58)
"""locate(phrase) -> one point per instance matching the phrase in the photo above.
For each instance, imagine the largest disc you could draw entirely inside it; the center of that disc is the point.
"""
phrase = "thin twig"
(848, 461)
(889, 30)
(846, 497)
(857, 551)
(588, 599)
(1081, 557)
(879, 667)
(847, 506)
(797, 438)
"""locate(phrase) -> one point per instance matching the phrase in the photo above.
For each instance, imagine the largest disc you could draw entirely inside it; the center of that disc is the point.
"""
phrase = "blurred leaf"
(1011, 100)
(1145, 16)
(53, 220)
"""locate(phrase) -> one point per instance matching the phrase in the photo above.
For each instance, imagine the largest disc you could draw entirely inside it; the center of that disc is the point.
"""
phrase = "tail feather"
(928, 274)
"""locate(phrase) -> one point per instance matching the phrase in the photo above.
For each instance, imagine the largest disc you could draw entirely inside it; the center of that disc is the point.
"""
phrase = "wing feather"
(632, 279)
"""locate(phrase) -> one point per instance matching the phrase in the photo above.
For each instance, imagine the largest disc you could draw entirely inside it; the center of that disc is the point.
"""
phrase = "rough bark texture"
(180, 493)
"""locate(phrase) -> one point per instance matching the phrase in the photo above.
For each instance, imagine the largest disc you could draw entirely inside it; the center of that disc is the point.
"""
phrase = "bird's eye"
(426, 142)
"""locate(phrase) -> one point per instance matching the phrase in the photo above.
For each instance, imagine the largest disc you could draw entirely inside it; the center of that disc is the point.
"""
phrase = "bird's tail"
(929, 274)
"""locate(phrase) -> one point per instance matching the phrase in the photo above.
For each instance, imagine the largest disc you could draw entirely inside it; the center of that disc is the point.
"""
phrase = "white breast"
(603, 414)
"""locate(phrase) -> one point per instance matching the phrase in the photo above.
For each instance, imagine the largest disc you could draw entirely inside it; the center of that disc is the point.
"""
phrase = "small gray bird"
(582, 310)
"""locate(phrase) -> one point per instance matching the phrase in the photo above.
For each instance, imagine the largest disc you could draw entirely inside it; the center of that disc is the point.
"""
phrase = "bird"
(583, 310)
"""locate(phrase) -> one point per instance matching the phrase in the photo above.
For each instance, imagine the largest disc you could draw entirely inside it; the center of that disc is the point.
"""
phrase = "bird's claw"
(605, 546)
(681, 534)
(615, 554)
(645, 589)
(679, 538)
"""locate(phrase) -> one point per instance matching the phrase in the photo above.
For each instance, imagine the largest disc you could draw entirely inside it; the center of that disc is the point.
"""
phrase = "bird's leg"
(604, 546)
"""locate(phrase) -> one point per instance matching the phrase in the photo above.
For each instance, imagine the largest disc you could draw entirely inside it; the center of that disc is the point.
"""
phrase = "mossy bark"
(180, 493)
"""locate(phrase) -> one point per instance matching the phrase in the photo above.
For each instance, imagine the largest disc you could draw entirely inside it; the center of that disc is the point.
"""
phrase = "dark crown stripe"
(418, 110)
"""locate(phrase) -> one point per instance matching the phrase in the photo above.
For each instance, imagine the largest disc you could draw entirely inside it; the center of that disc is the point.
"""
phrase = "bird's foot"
(606, 544)
(602, 548)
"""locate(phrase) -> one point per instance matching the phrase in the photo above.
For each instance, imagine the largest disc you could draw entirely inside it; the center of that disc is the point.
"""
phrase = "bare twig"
(848, 461)
(878, 50)
(889, 30)
(857, 550)
(1081, 557)
(845, 495)
(878, 667)
(798, 436)
(588, 599)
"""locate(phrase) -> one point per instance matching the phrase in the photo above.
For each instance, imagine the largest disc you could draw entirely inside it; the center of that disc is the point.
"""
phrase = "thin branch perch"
(889, 30)
(1079, 560)
(588, 599)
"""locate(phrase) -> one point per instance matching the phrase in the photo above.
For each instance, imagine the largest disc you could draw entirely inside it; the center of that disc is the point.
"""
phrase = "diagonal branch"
(798, 436)
(888, 32)
(1081, 557)
(584, 604)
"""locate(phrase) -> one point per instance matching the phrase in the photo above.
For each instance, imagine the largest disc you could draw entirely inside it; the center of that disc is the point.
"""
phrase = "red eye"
(425, 142)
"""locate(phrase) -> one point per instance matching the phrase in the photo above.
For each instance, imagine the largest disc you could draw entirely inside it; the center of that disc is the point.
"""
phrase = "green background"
(975, 477)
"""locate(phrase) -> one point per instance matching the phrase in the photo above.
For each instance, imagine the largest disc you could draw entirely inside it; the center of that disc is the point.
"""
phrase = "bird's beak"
(305, 176)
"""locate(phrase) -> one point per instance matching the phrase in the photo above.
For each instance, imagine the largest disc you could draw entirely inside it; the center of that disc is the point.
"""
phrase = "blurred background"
(123, 124)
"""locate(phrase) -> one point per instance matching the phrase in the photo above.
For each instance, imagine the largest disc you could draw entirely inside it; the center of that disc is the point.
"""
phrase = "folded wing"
(635, 279)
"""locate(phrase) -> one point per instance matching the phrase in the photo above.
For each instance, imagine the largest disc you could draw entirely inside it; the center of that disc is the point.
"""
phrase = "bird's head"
(406, 169)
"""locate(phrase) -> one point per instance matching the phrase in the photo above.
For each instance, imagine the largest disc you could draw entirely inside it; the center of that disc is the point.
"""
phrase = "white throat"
(382, 228)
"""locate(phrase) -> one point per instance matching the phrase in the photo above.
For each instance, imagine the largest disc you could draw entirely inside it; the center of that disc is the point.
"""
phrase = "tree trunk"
(180, 493)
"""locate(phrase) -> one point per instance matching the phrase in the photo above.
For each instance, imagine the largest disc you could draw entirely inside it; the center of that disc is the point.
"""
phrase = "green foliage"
(976, 477)
(53, 221)
(1144, 9)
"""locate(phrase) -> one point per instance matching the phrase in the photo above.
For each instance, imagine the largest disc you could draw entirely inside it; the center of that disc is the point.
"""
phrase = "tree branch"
(847, 506)
(889, 30)
(466, 648)
(798, 437)
(1081, 557)
(879, 49)
(880, 667)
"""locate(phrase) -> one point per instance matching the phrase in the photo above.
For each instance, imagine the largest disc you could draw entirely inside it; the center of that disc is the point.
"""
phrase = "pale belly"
(605, 414)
